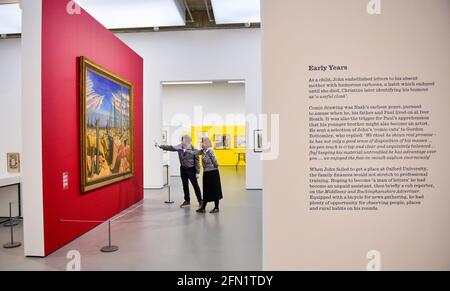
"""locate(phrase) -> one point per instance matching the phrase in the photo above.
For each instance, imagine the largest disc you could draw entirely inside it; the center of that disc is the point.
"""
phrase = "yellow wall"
(225, 157)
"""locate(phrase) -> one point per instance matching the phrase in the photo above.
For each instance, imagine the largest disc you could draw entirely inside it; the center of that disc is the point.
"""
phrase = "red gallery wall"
(65, 37)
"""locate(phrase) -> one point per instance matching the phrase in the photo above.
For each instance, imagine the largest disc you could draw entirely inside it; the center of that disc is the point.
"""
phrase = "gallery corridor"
(159, 237)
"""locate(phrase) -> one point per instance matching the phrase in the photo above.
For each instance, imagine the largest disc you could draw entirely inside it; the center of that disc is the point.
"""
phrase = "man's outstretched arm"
(168, 148)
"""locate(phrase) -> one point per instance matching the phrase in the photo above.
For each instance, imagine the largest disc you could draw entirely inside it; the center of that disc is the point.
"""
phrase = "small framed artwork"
(13, 162)
(200, 136)
(240, 142)
(222, 142)
(164, 137)
(258, 141)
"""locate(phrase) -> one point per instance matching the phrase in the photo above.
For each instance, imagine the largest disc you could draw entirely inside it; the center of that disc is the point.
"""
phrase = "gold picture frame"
(13, 160)
(106, 137)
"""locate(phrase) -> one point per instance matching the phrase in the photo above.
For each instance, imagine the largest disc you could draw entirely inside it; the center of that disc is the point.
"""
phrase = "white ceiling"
(142, 13)
(10, 19)
(236, 11)
(135, 13)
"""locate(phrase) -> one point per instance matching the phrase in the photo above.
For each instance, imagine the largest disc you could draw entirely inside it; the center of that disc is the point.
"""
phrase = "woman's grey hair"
(207, 144)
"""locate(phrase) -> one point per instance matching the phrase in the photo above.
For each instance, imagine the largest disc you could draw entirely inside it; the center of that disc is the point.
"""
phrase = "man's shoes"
(201, 210)
(200, 204)
(185, 204)
(215, 210)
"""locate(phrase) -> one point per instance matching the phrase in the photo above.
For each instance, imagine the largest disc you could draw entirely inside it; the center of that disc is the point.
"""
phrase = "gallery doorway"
(212, 109)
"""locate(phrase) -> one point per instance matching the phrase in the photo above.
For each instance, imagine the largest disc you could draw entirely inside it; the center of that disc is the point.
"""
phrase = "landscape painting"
(106, 127)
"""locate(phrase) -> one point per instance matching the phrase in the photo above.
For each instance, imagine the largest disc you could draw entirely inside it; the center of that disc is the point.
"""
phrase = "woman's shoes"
(202, 210)
(185, 204)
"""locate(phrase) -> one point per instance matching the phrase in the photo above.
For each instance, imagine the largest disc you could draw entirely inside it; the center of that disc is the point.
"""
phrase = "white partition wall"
(362, 90)
(31, 128)
(10, 95)
(10, 117)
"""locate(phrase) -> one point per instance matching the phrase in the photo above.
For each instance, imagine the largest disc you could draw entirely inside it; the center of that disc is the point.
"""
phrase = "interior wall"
(10, 105)
(10, 114)
(196, 55)
(212, 102)
(407, 38)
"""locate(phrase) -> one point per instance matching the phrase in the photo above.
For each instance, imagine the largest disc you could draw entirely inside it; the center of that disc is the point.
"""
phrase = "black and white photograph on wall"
(258, 141)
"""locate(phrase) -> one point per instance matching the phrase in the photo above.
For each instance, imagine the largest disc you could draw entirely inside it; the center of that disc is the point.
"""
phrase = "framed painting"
(258, 141)
(106, 125)
(240, 142)
(222, 141)
(13, 160)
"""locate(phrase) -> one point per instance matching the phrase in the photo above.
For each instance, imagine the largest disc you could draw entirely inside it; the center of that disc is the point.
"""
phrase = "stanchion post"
(109, 248)
(12, 244)
(11, 222)
(170, 200)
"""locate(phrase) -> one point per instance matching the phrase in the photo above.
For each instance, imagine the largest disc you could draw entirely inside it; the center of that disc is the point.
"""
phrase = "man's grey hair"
(186, 138)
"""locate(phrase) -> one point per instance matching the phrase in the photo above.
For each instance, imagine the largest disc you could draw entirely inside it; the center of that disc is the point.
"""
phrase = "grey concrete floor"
(156, 236)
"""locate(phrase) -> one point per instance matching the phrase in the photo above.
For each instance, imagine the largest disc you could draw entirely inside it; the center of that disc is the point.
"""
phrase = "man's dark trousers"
(189, 174)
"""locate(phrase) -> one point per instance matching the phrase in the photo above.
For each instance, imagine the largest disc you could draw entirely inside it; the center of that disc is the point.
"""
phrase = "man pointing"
(189, 168)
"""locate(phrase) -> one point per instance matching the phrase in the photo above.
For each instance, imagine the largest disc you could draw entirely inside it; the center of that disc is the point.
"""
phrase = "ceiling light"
(10, 19)
(114, 14)
(188, 83)
(236, 11)
(236, 82)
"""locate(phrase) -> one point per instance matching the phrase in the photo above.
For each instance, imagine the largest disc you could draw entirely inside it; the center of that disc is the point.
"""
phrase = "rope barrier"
(109, 248)
(103, 221)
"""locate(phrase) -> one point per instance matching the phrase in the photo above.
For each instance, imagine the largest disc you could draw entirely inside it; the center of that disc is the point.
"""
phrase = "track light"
(188, 83)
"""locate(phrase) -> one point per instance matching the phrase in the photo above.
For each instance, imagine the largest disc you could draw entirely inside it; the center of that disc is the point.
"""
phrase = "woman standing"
(212, 188)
